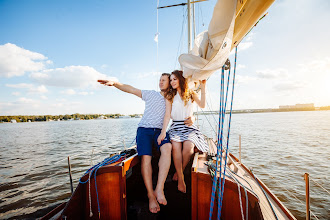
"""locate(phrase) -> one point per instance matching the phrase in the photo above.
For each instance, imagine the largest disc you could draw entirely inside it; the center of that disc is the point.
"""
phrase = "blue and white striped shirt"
(154, 111)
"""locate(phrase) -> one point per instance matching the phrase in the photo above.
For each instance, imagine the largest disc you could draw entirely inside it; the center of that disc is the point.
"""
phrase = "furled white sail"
(212, 47)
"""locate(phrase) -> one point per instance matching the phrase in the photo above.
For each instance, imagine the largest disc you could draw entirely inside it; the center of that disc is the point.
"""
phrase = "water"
(278, 147)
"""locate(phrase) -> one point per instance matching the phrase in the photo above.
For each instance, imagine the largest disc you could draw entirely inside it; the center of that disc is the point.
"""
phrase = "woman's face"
(174, 81)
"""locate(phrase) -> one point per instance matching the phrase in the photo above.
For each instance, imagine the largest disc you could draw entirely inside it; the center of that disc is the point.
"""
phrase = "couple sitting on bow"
(175, 101)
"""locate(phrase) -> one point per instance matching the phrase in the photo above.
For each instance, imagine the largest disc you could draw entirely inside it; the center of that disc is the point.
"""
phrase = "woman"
(179, 106)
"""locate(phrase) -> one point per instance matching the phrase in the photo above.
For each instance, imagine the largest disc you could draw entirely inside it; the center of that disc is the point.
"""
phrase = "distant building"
(298, 106)
(124, 116)
(102, 117)
(13, 121)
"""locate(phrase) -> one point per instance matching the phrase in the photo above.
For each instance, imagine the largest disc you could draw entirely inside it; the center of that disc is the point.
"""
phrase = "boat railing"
(294, 196)
(307, 182)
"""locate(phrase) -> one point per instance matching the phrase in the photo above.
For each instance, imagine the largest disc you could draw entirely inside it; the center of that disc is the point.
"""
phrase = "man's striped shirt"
(154, 111)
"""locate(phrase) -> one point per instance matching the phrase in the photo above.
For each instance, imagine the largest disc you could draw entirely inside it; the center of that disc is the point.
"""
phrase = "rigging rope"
(270, 204)
(228, 133)
(106, 161)
(320, 186)
(220, 141)
(181, 37)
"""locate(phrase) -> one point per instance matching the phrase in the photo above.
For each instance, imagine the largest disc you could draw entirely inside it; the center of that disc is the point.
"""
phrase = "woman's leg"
(177, 159)
(187, 152)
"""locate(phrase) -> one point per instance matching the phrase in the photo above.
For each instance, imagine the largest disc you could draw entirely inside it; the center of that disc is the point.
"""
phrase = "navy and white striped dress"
(180, 132)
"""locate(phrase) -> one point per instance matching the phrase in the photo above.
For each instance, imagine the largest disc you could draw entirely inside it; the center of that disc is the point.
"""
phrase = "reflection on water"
(279, 147)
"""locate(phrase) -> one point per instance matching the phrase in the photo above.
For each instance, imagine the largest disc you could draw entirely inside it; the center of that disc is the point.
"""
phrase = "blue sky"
(52, 52)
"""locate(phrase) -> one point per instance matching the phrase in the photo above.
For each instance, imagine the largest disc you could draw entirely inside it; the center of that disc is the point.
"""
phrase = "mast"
(189, 26)
(191, 19)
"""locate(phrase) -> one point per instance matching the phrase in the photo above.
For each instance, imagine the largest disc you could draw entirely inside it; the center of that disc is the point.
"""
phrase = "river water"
(278, 147)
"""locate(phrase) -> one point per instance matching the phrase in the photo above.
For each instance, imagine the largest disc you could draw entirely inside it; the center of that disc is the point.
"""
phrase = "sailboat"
(114, 189)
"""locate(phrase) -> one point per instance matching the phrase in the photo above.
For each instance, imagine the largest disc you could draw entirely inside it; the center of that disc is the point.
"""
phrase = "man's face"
(164, 83)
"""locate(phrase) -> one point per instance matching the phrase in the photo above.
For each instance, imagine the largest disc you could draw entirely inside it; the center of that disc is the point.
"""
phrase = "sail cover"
(212, 47)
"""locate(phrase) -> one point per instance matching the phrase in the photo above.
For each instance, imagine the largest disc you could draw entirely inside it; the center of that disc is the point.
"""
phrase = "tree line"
(32, 118)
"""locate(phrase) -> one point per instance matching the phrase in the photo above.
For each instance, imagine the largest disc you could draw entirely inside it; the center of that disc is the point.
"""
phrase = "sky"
(52, 53)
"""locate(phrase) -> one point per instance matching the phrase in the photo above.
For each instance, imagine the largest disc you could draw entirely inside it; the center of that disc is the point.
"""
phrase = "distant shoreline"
(73, 117)
(242, 111)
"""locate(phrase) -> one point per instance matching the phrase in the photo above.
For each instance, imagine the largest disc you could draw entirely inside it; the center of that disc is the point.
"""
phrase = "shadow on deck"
(178, 204)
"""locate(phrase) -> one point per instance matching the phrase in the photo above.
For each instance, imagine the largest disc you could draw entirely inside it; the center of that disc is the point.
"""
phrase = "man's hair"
(166, 74)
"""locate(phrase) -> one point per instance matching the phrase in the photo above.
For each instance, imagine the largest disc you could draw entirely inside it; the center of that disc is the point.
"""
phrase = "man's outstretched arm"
(122, 87)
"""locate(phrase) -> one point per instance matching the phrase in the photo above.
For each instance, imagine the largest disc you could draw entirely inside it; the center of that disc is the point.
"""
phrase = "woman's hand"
(189, 121)
(161, 137)
(202, 83)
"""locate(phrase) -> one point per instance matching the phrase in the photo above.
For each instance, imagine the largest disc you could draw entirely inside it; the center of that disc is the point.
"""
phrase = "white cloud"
(286, 86)
(43, 97)
(250, 36)
(316, 66)
(240, 79)
(83, 93)
(272, 73)
(68, 92)
(16, 93)
(39, 89)
(70, 77)
(244, 46)
(240, 66)
(20, 85)
(147, 74)
(24, 100)
(16, 61)
(30, 87)
(104, 66)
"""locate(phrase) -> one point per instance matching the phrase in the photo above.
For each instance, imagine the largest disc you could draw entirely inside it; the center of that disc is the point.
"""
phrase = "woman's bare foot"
(182, 186)
(153, 204)
(175, 177)
(160, 197)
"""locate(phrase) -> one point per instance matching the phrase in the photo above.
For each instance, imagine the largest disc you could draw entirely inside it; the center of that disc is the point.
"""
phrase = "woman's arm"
(167, 117)
(201, 102)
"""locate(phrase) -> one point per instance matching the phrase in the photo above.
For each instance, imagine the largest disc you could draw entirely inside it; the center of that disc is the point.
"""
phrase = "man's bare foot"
(160, 197)
(175, 177)
(182, 186)
(153, 204)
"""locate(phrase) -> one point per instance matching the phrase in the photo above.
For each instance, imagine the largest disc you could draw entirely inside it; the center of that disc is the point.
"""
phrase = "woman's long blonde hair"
(186, 93)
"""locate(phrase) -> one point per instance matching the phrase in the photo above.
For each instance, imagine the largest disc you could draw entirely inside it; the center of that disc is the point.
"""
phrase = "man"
(148, 131)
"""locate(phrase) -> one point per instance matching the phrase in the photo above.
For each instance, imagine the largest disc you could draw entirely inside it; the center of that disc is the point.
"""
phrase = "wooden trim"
(194, 165)
(278, 202)
(123, 200)
(194, 188)
(194, 191)
(130, 162)
(54, 211)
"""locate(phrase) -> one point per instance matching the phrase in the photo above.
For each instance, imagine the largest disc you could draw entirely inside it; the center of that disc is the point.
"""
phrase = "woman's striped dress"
(178, 131)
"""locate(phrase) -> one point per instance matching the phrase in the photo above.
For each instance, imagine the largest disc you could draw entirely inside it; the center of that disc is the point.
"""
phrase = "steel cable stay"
(299, 200)
(298, 171)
